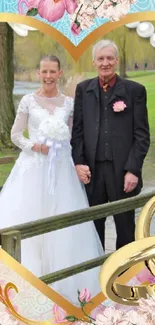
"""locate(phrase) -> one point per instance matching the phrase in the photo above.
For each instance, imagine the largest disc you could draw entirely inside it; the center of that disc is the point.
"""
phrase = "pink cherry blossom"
(124, 307)
(84, 14)
(75, 29)
(111, 316)
(85, 295)
(134, 318)
(147, 308)
(119, 106)
(114, 9)
(52, 10)
(59, 314)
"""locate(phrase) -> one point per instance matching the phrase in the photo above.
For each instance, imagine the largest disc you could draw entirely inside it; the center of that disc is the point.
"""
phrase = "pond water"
(25, 87)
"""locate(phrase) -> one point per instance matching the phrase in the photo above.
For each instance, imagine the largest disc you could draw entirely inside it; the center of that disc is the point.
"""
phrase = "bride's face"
(49, 73)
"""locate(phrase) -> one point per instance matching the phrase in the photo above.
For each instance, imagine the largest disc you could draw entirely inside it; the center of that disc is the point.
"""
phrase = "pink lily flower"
(51, 10)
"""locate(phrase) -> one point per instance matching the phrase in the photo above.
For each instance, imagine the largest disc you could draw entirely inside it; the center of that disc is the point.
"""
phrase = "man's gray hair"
(103, 44)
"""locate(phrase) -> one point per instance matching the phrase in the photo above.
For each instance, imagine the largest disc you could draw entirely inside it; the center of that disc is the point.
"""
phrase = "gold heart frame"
(76, 51)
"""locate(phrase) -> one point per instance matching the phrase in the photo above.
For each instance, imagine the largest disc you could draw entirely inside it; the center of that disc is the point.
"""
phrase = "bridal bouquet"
(53, 129)
(55, 134)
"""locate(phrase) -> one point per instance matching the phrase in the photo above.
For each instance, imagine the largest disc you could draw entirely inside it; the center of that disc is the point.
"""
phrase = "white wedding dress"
(26, 196)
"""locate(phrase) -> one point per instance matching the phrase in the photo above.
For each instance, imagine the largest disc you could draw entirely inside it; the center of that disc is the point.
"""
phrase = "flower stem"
(82, 308)
(76, 20)
(113, 3)
(99, 5)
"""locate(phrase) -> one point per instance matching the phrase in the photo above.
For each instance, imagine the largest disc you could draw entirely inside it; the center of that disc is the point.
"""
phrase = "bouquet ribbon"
(54, 155)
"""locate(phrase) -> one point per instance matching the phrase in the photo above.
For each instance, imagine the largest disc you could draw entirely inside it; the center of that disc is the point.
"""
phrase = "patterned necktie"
(105, 87)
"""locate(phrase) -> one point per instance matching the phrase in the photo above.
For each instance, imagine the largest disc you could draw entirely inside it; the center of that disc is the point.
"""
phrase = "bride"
(44, 183)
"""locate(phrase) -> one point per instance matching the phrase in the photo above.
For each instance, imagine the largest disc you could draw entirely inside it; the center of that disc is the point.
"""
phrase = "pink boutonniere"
(119, 106)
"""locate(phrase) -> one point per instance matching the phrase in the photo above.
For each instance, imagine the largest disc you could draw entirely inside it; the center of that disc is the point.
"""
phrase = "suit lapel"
(119, 91)
(93, 88)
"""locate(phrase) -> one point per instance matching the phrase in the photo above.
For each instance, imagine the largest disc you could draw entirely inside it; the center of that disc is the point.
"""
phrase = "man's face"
(106, 62)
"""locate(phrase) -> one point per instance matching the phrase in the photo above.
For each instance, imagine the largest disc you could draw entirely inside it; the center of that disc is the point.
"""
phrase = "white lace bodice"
(32, 110)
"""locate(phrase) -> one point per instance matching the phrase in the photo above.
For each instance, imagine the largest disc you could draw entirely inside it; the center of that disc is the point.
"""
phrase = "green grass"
(5, 169)
(4, 172)
(149, 165)
(147, 78)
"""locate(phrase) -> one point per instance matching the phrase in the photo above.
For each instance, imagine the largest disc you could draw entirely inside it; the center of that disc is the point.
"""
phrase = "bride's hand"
(44, 149)
(36, 147)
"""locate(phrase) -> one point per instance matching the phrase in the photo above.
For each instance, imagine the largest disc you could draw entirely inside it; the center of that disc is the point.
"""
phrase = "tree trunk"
(7, 110)
(123, 59)
(122, 67)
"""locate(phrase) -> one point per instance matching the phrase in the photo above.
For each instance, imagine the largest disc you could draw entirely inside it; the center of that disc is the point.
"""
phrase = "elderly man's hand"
(130, 182)
(84, 173)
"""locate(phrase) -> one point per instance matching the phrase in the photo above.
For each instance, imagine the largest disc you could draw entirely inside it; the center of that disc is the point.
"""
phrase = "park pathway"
(110, 228)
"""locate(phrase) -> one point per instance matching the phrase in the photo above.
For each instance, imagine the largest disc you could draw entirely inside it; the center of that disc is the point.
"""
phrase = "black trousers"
(104, 190)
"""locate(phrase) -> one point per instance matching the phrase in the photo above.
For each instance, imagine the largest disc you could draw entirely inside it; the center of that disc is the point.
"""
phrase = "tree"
(119, 36)
(122, 39)
(127, 40)
(7, 111)
(129, 43)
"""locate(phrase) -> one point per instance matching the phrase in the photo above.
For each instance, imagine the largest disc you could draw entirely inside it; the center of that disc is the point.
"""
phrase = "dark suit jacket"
(130, 136)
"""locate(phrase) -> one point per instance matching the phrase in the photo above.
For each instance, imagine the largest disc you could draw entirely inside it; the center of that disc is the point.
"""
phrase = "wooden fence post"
(11, 243)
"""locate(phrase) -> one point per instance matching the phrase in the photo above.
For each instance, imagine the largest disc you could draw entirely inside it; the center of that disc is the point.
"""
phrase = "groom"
(110, 138)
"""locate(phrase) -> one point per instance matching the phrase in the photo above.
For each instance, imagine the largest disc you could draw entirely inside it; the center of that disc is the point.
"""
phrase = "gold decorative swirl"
(77, 51)
(4, 298)
(143, 228)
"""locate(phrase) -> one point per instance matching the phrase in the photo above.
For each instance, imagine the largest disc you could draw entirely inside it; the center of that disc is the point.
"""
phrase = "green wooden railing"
(10, 238)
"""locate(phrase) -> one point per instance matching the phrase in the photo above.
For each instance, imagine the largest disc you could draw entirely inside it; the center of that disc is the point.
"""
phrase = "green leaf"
(113, 3)
(32, 12)
(71, 318)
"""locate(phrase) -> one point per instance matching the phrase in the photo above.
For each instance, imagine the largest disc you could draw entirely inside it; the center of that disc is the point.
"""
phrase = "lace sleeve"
(71, 109)
(20, 125)
(71, 106)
